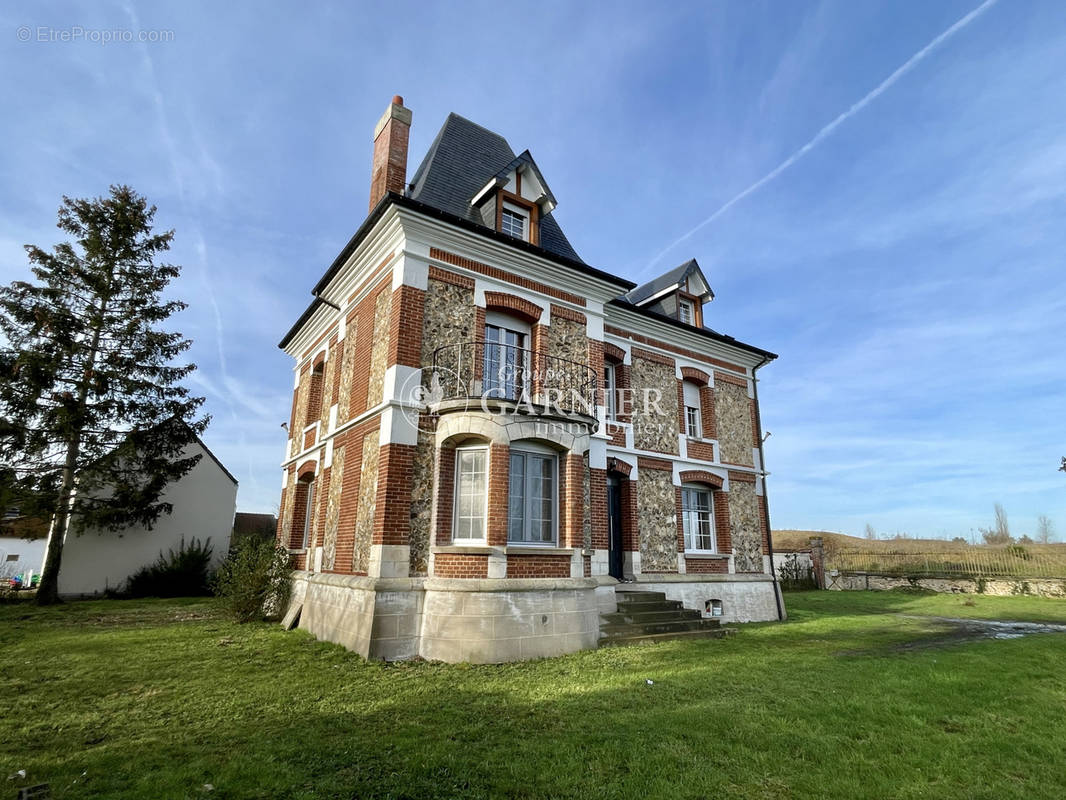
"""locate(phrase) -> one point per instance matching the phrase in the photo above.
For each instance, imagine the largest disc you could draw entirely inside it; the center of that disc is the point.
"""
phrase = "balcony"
(494, 375)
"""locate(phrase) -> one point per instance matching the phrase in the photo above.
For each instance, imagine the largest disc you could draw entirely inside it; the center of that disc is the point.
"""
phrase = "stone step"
(704, 633)
(651, 616)
(650, 605)
(637, 595)
(625, 631)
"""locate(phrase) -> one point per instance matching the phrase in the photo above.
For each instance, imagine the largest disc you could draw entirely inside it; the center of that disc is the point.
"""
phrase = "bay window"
(532, 502)
(471, 496)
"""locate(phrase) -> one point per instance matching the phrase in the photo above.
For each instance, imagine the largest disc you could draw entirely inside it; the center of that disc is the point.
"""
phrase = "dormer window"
(514, 222)
(684, 311)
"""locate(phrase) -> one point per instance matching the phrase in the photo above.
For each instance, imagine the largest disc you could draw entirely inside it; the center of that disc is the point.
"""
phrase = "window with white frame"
(514, 222)
(309, 506)
(610, 390)
(531, 510)
(471, 481)
(506, 367)
(684, 311)
(697, 514)
(693, 410)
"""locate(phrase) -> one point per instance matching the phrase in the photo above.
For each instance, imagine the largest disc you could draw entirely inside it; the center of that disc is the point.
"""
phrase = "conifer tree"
(93, 417)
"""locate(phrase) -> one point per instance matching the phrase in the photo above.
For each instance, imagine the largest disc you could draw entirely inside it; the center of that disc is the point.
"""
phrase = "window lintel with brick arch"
(613, 353)
(516, 306)
(702, 476)
(697, 376)
(306, 471)
(619, 466)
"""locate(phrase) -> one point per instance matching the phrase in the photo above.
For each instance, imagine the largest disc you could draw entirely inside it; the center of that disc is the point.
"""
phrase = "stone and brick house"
(489, 435)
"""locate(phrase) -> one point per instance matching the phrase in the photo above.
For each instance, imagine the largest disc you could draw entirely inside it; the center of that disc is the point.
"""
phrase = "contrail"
(880, 89)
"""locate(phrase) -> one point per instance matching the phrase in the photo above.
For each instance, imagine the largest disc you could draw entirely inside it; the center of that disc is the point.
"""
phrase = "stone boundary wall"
(998, 587)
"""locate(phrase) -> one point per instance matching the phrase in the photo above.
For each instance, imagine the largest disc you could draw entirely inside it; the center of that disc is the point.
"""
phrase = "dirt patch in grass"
(955, 631)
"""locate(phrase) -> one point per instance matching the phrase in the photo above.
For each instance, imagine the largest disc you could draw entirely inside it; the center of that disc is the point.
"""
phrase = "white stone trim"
(594, 320)
(599, 562)
(398, 427)
(389, 560)
(597, 453)
(410, 271)
(702, 466)
(628, 459)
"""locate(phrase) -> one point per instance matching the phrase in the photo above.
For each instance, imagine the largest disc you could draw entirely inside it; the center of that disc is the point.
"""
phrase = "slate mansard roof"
(461, 160)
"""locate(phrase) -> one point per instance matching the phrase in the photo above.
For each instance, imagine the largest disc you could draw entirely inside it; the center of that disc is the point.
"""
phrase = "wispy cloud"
(827, 130)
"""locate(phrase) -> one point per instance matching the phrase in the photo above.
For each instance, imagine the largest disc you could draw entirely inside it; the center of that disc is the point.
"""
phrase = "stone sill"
(298, 552)
(507, 584)
(709, 556)
(697, 577)
(700, 441)
(467, 549)
(533, 550)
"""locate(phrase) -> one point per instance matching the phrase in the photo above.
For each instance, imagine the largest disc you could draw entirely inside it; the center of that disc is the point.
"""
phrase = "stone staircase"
(650, 617)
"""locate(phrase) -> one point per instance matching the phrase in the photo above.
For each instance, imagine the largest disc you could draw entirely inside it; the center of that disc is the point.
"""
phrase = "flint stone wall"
(364, 516)
(657, 521)
(744, 527)
(655, 427)
(732, 408)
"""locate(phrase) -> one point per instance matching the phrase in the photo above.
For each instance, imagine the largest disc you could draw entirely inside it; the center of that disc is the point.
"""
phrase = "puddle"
(958, 630)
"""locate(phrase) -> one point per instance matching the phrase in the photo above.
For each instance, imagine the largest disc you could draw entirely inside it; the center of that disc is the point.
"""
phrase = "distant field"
(930, 556)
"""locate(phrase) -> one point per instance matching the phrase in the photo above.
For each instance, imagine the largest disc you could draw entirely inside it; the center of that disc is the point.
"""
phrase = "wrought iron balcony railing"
(492, 371)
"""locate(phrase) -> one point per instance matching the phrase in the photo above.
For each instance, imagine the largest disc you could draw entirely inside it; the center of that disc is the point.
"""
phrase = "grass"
(155, 699)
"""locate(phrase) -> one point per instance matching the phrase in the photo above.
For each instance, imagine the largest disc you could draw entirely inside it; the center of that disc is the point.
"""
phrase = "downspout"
(765, 495)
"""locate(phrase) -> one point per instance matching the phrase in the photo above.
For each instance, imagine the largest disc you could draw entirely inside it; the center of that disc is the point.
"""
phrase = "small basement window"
(713, 607)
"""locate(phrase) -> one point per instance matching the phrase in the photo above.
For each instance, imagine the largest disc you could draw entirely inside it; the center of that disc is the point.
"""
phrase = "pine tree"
(93, 416)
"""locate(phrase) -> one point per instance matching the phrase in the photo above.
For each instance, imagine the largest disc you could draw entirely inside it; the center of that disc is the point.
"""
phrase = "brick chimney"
(389, 169)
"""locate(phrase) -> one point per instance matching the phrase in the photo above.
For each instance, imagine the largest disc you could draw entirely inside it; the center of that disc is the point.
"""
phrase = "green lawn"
(155, 699)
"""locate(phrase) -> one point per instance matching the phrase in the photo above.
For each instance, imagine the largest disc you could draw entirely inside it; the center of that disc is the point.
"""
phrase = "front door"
(614, 527)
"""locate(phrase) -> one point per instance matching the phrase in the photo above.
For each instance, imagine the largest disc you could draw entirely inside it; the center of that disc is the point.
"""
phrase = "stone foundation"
(488, 621)
(744, 598)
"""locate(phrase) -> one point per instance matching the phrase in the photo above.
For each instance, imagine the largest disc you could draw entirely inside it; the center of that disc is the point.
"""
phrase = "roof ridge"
(475, 124)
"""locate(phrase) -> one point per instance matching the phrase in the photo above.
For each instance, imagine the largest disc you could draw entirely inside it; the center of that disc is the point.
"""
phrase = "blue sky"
(907, 267)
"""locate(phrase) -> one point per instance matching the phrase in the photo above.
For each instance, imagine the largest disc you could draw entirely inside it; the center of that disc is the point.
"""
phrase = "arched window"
(697, 514)
(506, 363)
(693, 410)
(303, 511)
(471, 493)
(314, 394)
(610, 389)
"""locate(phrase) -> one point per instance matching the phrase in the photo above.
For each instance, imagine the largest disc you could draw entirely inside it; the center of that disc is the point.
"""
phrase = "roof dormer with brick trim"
(679, 294)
